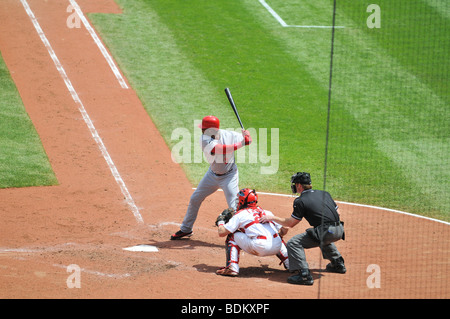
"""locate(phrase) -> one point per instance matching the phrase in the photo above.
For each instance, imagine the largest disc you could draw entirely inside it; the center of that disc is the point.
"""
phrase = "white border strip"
(85, 115)
(100, 45)
(395, 211)
(285, 25)
(367, 206)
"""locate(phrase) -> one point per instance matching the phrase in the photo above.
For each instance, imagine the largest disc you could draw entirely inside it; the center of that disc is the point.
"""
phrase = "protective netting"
(389, 131)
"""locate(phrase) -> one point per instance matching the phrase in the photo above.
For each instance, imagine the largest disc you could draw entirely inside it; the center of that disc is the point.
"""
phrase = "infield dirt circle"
(85, 220)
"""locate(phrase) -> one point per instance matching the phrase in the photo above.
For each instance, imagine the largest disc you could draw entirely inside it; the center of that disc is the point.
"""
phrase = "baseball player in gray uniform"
(219, 147)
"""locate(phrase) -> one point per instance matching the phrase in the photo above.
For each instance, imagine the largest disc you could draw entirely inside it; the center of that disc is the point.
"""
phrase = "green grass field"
(388, 142)
(23, 161)
(389, 132)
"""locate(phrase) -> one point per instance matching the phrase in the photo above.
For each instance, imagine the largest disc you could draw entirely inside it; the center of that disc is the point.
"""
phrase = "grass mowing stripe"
(403, 113)
(375, 98)
(442, 7)
(160, 73)
(23, 161)
(352, 155)
(180, 55)
(263, 83)
(415, 34)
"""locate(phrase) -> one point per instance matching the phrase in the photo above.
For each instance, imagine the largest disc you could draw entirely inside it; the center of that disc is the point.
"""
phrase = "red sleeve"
(225, 149)
(229, 148)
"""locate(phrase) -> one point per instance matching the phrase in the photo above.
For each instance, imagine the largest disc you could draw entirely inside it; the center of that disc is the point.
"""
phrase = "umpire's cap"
(301, 178)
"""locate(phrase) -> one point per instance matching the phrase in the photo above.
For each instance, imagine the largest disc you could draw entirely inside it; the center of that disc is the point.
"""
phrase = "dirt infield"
(86, 221)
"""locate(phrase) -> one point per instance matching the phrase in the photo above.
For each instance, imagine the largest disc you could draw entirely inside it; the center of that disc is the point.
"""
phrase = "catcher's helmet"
(247, 197)
(210, 121)
(300, 178)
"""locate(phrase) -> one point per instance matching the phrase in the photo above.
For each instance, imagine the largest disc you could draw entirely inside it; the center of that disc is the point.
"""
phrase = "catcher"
(244, 231)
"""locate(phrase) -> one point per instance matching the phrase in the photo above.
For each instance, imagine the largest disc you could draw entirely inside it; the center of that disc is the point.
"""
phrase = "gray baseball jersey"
(222, 161)
(222, 173)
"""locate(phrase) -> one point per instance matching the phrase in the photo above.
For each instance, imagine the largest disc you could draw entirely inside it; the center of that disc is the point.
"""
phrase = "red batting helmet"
(247, 197)
(209, 122)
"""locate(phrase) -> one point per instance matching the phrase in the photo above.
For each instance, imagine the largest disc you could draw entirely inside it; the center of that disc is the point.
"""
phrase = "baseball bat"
(230, 99)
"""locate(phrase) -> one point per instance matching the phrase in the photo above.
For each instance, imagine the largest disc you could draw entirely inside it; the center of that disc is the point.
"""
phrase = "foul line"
(85, 115)
(100, 45)
(284, 24)
(363, 205)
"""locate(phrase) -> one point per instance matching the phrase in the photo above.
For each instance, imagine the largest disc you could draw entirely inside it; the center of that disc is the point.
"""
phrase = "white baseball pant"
(255, 246)
(210, 183)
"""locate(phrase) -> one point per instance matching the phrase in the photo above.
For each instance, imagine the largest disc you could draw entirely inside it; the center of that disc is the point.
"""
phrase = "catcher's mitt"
(225, 216)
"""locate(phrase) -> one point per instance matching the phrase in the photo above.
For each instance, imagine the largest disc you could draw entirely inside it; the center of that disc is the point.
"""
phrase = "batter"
(219, 147)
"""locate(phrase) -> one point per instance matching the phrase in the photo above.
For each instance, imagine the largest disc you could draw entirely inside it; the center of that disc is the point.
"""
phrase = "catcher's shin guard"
(283, 255)
(232, 252)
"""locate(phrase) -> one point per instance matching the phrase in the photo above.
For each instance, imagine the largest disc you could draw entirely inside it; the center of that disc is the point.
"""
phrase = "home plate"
(144, 248)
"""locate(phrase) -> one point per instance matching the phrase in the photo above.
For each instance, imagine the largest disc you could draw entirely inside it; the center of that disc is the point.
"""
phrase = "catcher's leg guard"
(233, 252)
(283, 255)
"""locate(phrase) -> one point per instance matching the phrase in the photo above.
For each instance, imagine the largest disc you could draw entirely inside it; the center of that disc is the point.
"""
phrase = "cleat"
(226, 271)
(303, 277)
(337, 266)
(179, 234)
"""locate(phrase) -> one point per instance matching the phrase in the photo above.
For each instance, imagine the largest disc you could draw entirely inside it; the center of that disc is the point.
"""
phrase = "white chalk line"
(285, 25)
(85, 115)
(366, 206)
(100, 45)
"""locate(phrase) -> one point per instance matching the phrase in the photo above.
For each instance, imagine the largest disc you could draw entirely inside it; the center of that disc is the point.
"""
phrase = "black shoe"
(337, 266)
(179, 234)
(303, 277)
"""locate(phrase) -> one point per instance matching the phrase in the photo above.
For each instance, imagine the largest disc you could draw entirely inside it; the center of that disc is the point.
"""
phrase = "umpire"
(320, 210)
